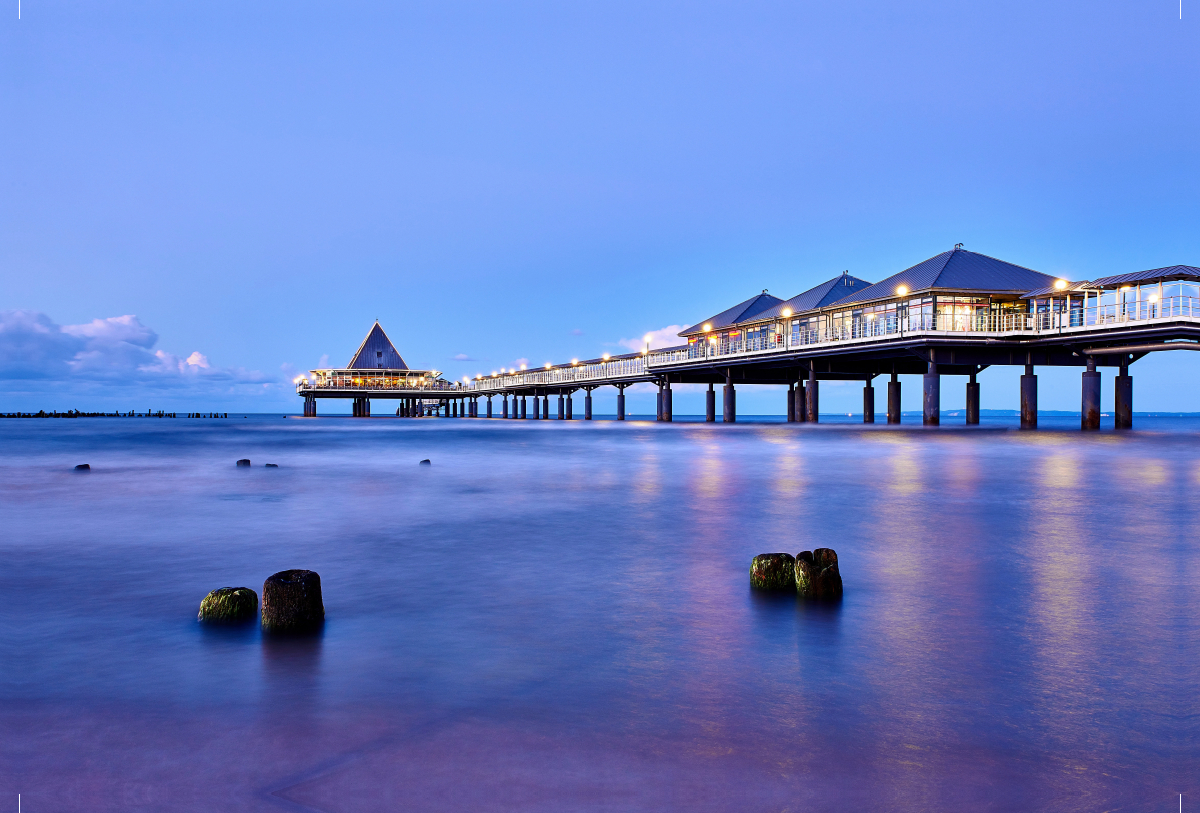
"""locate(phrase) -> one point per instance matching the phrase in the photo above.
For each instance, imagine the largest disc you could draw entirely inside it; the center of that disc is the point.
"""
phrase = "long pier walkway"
(953, 315)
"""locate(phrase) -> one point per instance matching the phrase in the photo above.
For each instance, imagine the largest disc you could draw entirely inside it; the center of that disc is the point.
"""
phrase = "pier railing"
(614, 369)
(376, 384)
(873, 326)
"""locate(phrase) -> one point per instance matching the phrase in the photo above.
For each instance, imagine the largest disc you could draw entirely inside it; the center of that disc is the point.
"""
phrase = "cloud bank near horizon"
(113, 357)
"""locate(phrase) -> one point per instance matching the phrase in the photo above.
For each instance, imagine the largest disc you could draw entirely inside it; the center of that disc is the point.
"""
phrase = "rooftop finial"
(958, 246)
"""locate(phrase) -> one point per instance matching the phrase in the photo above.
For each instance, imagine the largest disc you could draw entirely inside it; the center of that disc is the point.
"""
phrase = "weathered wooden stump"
(229, 605)
(773, 571)
(292, 602)
(817, 574)
(244, 462)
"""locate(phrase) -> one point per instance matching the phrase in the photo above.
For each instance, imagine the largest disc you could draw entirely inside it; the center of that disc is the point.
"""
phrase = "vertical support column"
(587, 404)
(931, 414)
(1029, 399)
(972, 400)
(562, 408)
(659, 403)
(894, 398)
(667, 406)
(546, 407)
(730, 405)
(620, 402)
(1089, 412)
(570, 407)
(537, 403)
(710, 404)
(802, 397)
(868, 402)
(489, 406)
(522, 407)
(812, 399)
(791, 402)
(504, 405)
(1123, 398)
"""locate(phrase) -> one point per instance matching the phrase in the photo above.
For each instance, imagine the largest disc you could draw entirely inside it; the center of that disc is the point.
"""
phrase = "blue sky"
(201, 199)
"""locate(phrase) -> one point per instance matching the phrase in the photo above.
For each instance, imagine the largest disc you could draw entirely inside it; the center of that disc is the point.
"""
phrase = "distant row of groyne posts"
(75, 413)
(957, 313)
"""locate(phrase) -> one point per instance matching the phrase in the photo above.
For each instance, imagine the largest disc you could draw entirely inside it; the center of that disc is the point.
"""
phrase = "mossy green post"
(817, 574)
(773, 571)
(229, 605)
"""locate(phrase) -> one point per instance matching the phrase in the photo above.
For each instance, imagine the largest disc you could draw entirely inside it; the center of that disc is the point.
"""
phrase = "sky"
(201, 200)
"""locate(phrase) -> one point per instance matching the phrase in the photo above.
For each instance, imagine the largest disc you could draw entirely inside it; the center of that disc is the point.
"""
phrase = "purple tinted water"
(557, 616)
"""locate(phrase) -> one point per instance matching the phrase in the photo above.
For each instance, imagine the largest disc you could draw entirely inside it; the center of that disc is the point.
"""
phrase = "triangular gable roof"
(376, 352)
(827, 293)
(1171, 272)
(738, 313)
(957, 270)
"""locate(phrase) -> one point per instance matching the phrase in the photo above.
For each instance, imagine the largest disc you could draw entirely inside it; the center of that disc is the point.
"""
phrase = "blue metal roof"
(376, 352)
(827, 293)
(1169, 273)
(738, 313)
(956, 270)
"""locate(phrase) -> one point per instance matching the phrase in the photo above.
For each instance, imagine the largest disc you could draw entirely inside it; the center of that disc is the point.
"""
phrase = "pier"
(956, 314)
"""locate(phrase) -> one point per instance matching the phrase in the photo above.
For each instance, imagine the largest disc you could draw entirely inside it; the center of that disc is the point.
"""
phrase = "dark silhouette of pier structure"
(955, 314)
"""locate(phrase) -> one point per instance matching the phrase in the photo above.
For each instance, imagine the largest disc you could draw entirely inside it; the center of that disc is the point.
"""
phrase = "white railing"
(884, 325)
(576, 374)
(377, 384)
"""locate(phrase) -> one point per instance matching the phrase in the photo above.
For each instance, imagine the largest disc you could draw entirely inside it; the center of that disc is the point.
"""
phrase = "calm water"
(557, 617)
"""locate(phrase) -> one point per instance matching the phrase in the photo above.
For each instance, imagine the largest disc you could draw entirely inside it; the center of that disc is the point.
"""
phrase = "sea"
(557, 616)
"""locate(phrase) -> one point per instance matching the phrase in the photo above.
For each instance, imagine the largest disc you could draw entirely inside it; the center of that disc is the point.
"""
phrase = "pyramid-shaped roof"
(827, 293)
(740, 312)
(376, 352)
(957, 270)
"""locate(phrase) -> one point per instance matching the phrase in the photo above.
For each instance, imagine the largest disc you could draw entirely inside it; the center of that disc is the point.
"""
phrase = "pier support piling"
(562, 407)
(791, 403)
(570, 407)
(812, 399)
(801, 406)
(1029, 399)
(621, 402)
(972, 400)
(587, 404)
(523, 407)
(710, 404)
(1123, 399)
(868, 402)
(931, 414)
(668, 409)
(730, 406)
(1089, 411)
(893, 414)
(504, 405)
(546, 407)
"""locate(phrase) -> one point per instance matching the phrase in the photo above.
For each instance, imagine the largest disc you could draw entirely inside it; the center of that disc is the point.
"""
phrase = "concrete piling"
(1089, 411)
(893, 413)
(931, 414)
(1029, 399)
(812, 399)
(730, 406)
(1123, 399)
(710, 404)
(972, 400)
(620, 403)
(868, 402)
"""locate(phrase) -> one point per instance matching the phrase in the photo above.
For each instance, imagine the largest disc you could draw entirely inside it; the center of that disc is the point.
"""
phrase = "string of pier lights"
(549, 365)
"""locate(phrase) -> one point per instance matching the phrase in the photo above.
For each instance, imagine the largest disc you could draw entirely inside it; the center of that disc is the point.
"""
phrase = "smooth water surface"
(557, 616)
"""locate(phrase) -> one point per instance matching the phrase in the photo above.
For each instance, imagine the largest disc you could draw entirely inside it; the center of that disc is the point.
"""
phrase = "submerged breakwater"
(558, 616)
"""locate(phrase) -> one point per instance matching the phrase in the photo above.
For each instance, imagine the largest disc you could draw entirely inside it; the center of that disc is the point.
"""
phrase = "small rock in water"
(83, 467)
(271, 466)
(817, 574)
(773, 571)
(292, 602)
(229, 605)
(425, 462)
(244, 462)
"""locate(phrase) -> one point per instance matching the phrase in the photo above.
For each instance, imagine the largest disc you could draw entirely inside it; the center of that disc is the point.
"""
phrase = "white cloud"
(113, 356)
(323, 362)
(663, 337)
(462, 357)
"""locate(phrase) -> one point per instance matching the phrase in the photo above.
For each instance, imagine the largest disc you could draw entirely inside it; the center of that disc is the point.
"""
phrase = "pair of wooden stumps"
(812, 574)
(291, 604)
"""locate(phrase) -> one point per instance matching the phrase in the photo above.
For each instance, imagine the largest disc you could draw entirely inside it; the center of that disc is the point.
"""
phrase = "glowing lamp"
(1060, 284)
(707, 327)
(902, 290)
(607, 356)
